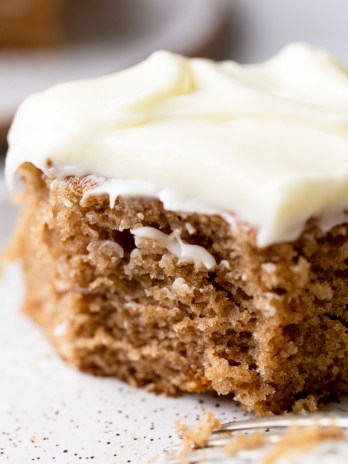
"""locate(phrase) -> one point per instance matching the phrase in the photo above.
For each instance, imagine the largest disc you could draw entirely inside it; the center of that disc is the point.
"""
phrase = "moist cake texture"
(159, 282)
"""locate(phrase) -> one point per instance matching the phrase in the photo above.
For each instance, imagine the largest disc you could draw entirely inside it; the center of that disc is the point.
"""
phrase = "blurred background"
(43, 42)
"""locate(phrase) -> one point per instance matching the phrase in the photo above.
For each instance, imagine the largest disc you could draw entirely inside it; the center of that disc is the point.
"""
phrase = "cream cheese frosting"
(173, 243)
(266, 142)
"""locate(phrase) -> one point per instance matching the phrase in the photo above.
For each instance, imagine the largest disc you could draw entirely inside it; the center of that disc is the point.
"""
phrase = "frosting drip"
(174, 244)
(267, 142)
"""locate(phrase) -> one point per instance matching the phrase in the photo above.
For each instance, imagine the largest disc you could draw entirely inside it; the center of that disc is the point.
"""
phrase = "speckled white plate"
(51, 413)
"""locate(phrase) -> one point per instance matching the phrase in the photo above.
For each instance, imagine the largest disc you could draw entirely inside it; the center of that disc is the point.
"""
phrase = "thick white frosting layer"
(266, 142)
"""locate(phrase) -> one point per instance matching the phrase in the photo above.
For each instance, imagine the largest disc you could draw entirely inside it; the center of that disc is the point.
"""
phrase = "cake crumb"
(245, 442)
(198, 436)
(308, 404)
(301, 439)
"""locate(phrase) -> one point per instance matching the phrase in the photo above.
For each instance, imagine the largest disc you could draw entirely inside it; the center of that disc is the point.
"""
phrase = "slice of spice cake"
(184, 225)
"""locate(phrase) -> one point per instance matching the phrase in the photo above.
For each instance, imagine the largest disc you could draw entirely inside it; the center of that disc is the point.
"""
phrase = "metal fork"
(274, 428)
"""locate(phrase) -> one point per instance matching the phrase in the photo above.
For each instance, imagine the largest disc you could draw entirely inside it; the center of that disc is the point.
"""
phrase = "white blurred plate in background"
(105, 36)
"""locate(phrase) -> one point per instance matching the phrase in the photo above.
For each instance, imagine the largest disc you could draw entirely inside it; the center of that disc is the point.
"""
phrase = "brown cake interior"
(266, 325)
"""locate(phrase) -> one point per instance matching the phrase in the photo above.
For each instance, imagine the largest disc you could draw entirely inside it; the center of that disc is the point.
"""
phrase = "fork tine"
(289, 420)
(215, 452)
(216, 455)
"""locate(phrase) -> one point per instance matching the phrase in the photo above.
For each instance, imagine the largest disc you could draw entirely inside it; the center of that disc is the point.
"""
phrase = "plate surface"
(105, 36)
(51, 412)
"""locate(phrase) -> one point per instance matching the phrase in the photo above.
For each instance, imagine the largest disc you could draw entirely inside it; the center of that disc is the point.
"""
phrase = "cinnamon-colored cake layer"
(30, 22)
(266, 325)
